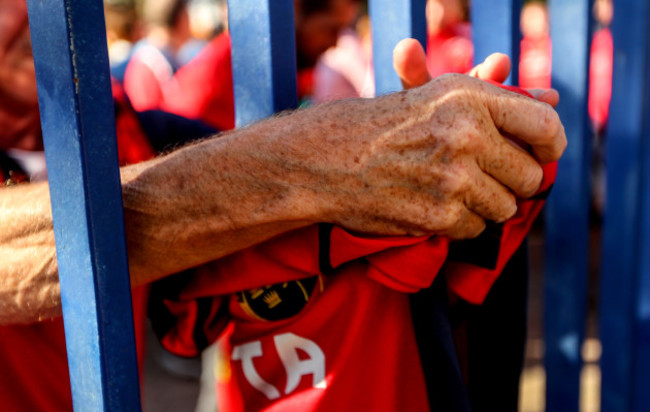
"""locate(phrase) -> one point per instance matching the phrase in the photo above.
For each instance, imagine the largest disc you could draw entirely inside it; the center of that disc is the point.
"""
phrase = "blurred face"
(443, 14)
(319, 31)
(604, 11)
(19, 119)
(534, 20)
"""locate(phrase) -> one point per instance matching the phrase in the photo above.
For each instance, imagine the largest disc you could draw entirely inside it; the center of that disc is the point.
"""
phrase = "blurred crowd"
(173, 54)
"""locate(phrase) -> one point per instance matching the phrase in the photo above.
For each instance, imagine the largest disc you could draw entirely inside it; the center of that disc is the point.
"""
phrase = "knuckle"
(468, 228)
(452, 215)
(561, 144)
(549, 122)
(456, 182)
(470, 129)
(508, 210)
(460, 142)
(531, 180)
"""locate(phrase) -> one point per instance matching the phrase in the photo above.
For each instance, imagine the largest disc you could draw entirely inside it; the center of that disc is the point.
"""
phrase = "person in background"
(154, 59)
(601, 69)
(535, 58)
(449, 41)
(345, 70)
(601, 66)
(203, 88)
(208, 18)
(122, 31)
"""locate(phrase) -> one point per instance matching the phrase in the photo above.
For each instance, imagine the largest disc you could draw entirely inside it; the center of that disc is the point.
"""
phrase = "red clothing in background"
(600, 77)
(202, 89)
(450, 51)
(148, 70)
(535, 62)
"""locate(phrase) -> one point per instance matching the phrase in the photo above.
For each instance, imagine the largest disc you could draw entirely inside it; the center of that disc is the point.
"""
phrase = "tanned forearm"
(429, 160)
(205, 201)
(29, 284)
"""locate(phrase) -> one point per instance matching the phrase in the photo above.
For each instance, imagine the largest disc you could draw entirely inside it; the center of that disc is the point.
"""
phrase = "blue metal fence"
(76, 110)
(77, 116)
(567, 210)
(626, 272)
(263, 58)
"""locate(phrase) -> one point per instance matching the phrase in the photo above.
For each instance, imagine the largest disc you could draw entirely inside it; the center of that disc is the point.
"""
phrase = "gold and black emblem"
(279, 301)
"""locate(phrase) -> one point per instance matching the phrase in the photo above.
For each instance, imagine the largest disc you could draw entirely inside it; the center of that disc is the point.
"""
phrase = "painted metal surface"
(77, 116)
(393, 21)
(495, 28)
(263, 58)
(625, 284)
(567, 209)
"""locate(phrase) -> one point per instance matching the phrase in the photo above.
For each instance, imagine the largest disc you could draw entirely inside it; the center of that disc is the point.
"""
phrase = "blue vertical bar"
(624, 285)
(393, 21)
(78, 122)
(495, 28)
(641, 312)
(567, 210)
(263, 58)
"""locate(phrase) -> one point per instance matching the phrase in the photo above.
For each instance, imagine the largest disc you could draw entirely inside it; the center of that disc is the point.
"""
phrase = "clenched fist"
(438, 159)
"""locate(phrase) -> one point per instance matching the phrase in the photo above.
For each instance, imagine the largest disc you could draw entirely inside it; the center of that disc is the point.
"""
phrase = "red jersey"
(148, 70)
(535, 62)
(317, 318)
(600, 77)
(450, 51)
(203, 88)
(33, 357)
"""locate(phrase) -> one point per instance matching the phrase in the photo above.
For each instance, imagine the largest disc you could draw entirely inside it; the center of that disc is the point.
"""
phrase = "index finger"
(534, 122)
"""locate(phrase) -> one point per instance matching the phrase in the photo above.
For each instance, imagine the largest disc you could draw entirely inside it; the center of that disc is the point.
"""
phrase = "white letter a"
(287, 345)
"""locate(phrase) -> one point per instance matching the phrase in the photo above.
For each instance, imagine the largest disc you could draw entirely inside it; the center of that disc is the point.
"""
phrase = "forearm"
(208, 200)
(29, 284)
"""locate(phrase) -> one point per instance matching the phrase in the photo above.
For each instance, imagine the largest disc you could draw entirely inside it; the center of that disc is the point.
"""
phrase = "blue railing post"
(625, 284)
(567, 210)
(495, 28)
(393, 21)
(642, 304)
(263, 58)
(77, 116)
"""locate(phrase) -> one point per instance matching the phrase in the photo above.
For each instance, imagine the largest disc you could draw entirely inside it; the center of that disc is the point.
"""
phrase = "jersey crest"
(281, 300)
